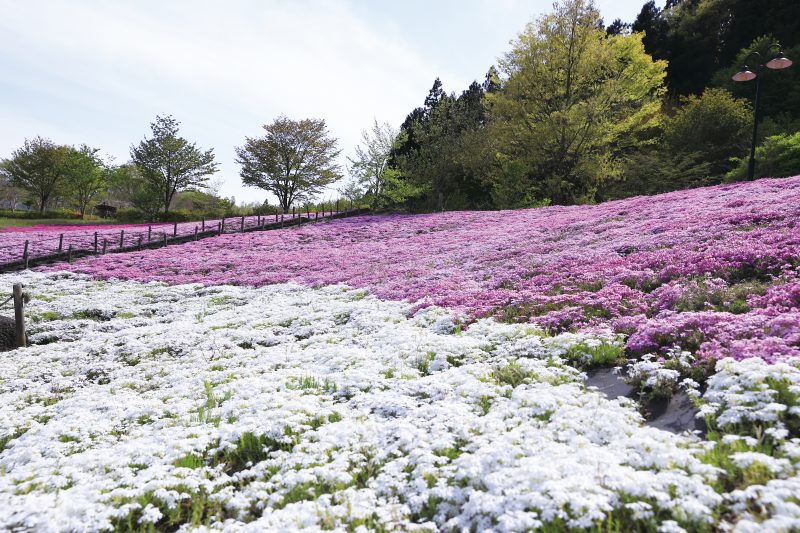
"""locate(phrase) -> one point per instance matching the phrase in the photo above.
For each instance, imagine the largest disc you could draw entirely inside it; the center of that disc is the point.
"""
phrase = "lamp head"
(744, 74)
(779, 61)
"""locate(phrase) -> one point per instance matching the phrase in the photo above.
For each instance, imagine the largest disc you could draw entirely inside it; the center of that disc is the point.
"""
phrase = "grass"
(25, 222)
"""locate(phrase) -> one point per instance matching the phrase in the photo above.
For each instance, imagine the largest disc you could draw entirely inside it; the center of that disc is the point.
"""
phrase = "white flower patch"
(239, 409)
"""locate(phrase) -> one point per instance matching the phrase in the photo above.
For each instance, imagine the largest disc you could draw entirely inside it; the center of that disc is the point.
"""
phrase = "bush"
(777, 157)
(34, 214)
(178, 215)
(129, 214)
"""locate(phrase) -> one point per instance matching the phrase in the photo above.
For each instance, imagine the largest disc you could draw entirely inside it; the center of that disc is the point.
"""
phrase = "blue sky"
(98, 72)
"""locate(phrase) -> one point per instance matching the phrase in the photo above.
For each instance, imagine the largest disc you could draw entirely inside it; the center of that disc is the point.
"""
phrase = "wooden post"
(69, 254)
(175, 230)
(219, 228)
(222, 226)
(258, 223)
(141, 238)
(203, 223)
(195, 233)
(292, 212)
(95, 243)
(121, 238)
(60, 242)
(105, 243)
(25, 255)
(165, 238)
(149, 233)
(242, 224)
(276, 217)
(19, 317)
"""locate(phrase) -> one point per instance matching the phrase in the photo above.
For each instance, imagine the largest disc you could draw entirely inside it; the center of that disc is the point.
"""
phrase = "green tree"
(170, 163)
(294, 160)
(575, 99)
(777, 157)
(715, 127)
(127, 184)
(85, 176)
(39, 167)
(370, 164)
(436, 149)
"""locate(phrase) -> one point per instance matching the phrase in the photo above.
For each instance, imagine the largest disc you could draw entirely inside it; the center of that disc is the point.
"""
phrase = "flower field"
(711, 270)
(44, 240)
(419, 373)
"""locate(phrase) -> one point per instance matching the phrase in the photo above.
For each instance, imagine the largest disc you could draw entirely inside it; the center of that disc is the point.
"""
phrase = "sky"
(98, 72)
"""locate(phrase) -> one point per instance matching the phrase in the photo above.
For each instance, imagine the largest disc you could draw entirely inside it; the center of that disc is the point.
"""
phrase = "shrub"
(777, 157)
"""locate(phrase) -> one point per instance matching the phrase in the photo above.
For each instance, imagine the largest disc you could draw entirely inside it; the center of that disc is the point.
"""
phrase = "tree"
(38, 167)
(777, 157)
(85, 176)
(715, 127)
(127, 184)
(575, 99)
(294, 160)
(170, 163)
(370, 165)
(435, 151)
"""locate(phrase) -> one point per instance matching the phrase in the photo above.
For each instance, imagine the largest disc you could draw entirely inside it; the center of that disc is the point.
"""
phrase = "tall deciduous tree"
(370, 165)
(574, 98)
(294, 160)
(170, 163)
(38, 167)
(85, 176)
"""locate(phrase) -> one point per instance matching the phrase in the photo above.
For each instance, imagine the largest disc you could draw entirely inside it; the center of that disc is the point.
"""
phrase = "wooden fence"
(128, 239)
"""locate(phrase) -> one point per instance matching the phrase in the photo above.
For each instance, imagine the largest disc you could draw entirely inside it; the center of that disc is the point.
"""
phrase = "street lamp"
(778, 62)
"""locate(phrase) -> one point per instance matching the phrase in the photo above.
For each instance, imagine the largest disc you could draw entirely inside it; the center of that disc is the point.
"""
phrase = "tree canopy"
(171, 163)
(294, 160)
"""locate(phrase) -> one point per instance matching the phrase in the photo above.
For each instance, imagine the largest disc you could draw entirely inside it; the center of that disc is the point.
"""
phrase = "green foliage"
(715, 126)
(602, 354)
(294, 160)
(85, 176)
(39, 167)
(169, 163)
(777, 157)
(574, 100)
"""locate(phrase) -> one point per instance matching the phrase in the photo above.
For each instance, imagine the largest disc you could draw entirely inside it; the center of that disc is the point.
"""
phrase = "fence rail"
(66, 246)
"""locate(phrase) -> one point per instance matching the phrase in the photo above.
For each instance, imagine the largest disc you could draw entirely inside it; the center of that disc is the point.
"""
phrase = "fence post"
(60, 242)
(105, 243)
(175, 230)
(195, 233)
(219, 228)
(222, 226)
(149, 233)
(203, 222)
(242, 224)
(19, 316)
(25, 255)
(276, 217)
(69, 254)
(165, 238)
(121, 238)
(141, 238)
(95, 243)
(292, 211)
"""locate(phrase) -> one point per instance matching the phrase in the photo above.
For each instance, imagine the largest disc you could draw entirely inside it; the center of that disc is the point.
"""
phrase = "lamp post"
(778, 62)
